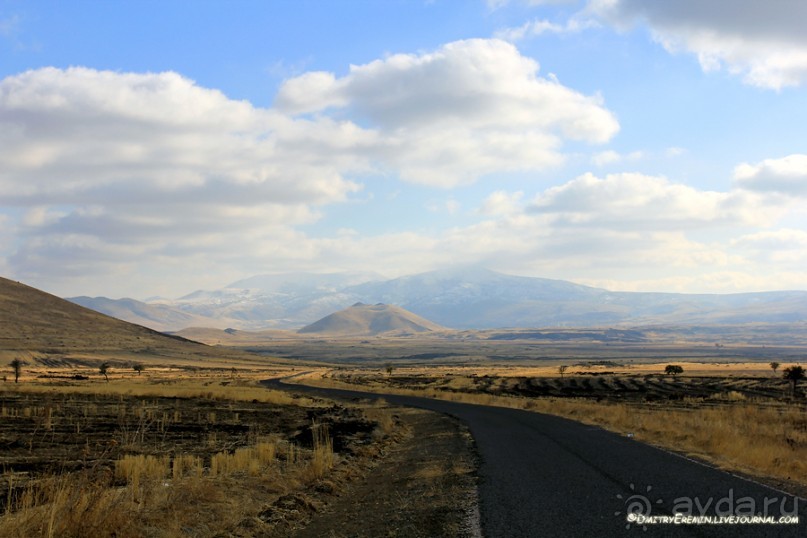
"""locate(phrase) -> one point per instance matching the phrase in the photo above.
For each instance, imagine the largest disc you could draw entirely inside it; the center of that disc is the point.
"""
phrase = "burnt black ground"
(542, 475)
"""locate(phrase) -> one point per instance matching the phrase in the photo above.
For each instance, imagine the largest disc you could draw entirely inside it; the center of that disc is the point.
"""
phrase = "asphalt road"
(542, 475)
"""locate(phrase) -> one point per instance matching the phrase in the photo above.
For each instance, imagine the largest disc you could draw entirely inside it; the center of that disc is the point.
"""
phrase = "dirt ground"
(46, 433)
(417, 479)
(425, 487)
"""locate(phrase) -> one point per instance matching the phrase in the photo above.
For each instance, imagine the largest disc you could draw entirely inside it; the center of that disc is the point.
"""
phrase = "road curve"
(542, 475)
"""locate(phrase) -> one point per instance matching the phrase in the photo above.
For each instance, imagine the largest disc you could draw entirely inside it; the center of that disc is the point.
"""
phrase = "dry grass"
(765, 440)
(180, 494)
(251, 460)
(242, 386)
(322, 457)
(762, 438)
(161, 497)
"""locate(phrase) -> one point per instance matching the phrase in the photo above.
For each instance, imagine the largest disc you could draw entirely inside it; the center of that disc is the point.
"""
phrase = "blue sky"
(155, 148)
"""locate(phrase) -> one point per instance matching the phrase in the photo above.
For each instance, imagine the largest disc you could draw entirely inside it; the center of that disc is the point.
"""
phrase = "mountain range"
(465, 298)
(37, 327)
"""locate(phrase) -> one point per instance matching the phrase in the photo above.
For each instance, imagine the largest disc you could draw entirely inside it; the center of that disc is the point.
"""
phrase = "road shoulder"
(425, 486)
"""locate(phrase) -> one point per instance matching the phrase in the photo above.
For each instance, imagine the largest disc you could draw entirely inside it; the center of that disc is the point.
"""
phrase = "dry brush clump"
(141, 496)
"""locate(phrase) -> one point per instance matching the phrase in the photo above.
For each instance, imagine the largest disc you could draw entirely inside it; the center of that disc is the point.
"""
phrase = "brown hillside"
(43, 328)
(370, 320)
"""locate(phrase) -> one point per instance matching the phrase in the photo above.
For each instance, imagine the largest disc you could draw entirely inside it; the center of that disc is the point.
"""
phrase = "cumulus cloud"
(109, 169)
(502, 203)
(631, 199)
(450, 116)
(86, 136)
(787, 176)
(764, 42)
(102, 170)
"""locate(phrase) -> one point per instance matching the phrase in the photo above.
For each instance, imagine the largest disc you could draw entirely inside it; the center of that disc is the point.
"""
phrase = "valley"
(131, 419)
(459, 298)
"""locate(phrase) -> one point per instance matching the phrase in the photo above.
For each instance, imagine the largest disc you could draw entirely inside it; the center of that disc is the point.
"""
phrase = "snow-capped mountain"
(458, 298)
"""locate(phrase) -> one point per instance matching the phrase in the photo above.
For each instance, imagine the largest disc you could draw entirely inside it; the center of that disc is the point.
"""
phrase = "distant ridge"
(462, 298)
(370, 320)
(38, 326)
(154, 316)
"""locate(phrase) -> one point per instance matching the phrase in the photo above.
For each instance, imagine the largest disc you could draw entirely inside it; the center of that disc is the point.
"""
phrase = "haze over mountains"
(43, 328)
(463, 298)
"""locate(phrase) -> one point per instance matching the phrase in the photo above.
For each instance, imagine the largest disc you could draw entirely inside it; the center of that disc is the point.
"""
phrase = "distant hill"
(42, 327)
(235, 338)
(155, 316)
(370, 320)
(476, 298)
(464, 298)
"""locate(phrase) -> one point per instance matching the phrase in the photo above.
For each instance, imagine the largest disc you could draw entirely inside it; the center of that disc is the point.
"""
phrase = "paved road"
(542, 475)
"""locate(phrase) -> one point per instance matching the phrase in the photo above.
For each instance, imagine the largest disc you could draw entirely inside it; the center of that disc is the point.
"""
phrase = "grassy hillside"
(43, 328)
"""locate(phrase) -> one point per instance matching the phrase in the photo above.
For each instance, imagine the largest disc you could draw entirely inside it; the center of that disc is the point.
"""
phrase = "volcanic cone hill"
(370, 320)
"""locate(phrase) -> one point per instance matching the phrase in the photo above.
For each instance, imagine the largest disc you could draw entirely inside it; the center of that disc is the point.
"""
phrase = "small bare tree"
(562, 369)
(389, 368)
(16, 365)
(104, 369)
(774, 366)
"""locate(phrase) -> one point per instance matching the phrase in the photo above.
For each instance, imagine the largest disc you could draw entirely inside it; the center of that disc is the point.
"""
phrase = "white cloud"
(784, 247)
(496, 4)
(609, 157)
(502, 203)
(111, 169)
(450, 116)
(621, 228)
(105, 173)
(629, 200)
(787, 176)
(450, 206)
(764, 42)
(540, 27)
(85, 136)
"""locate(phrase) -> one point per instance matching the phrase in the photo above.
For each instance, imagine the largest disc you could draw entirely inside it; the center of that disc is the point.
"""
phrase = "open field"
(600, 380)
(470, 349)
(737, 416)
(178, 452)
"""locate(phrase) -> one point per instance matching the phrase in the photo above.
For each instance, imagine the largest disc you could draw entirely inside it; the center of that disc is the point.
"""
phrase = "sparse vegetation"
(16, 366)
(103, 369)
(673, 370)
(774, 366)
(731, 425)
(794, 374)
(244, 458)
(562, 369)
